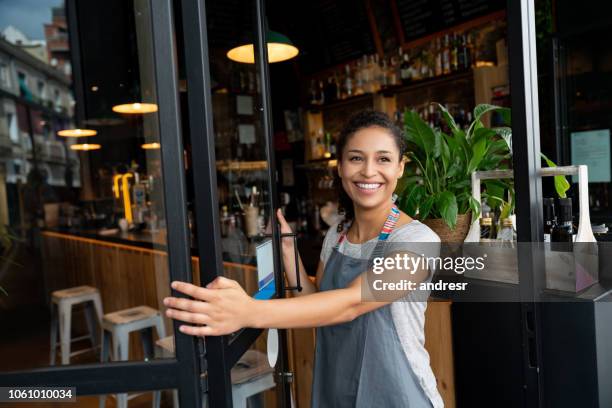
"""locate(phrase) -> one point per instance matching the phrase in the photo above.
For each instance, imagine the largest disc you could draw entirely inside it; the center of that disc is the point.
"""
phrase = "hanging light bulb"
(135, 108)
(280, 48)
(77, 132)
(151, 146)
(85, 146)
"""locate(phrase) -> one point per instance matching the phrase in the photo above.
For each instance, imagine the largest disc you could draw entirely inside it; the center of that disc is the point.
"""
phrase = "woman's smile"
(368, 188)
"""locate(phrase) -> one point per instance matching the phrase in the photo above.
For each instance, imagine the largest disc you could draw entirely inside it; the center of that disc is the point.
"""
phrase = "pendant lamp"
(280, 48)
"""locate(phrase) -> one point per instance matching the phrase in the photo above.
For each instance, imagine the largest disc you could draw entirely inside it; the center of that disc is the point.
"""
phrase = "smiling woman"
(395, 370)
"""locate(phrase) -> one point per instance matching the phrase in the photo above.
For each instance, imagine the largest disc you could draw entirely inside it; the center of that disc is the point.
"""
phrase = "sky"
(27, 15)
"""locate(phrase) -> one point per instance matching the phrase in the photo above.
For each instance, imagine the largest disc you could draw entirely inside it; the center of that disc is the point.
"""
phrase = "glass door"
(234, 179)
(93, 200)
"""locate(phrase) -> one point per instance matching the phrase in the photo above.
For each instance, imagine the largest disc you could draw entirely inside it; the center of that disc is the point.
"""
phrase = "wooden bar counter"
(131, 269)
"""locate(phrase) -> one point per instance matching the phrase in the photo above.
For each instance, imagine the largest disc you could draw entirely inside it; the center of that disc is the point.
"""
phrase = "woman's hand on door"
(222, 307)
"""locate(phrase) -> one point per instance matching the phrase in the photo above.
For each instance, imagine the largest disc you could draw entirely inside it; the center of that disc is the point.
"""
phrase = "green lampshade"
(280, 48)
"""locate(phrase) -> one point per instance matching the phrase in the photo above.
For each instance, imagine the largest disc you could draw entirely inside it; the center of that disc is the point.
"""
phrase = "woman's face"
(370, 167)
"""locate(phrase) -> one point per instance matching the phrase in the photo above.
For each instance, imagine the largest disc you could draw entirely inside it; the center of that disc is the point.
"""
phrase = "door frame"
(183, 371)
(223, 352)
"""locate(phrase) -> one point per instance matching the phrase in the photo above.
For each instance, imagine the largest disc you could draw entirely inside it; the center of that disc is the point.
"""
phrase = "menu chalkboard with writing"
(423, 17)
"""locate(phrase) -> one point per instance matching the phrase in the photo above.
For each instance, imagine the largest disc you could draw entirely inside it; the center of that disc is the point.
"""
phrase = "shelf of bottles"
(445, 58)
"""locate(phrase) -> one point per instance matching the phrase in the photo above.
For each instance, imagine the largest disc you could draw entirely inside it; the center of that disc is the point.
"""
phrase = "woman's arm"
(289, 261)
(223, 307)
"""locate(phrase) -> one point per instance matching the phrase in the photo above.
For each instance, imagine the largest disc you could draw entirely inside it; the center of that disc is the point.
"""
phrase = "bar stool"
(250, 376)
(118, 326)
(62, 302)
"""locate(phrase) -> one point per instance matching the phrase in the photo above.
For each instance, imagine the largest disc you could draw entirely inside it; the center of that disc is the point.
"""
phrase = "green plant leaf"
(426, 206)
(474, 207)
(445, 152)
(450, 121)
(478, 151)
(506, 134)
(419, 132)
(446, 204)
(479, 111)
(561, 183)
(495, 192)
(483, 108)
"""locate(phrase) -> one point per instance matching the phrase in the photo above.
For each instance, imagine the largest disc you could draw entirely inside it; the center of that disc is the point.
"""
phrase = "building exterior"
(35, 102)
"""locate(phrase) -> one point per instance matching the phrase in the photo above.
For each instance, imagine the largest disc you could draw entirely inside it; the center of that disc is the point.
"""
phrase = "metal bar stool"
(117, 326)
(62, 302)
(250, 376)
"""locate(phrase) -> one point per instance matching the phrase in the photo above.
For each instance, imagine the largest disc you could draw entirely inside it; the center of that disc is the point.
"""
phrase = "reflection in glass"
(82, 217)
(243, 184)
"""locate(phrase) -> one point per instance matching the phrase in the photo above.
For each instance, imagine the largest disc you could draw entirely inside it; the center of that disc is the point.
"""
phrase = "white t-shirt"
(408, 316)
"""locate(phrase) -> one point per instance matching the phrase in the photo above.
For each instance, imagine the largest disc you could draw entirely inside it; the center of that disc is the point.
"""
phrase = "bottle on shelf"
(454, 61)
(438, 57)
(463, 57)
(348, 81)
(446, 57)
(405, 72)
(506, 233)
(549, 217)
(393, 71)
(314, 99)
(384, 74)
(330, 90)
(563, 234)
(375, 66)
(470, 51)
(321, 93)
(359, 88)
(486, 227)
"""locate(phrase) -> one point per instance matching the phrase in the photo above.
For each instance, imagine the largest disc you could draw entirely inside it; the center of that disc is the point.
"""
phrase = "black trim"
(527, 182)
(107, 378)
(195, 37)
(283, 389)
(175, 192)
(75, 61)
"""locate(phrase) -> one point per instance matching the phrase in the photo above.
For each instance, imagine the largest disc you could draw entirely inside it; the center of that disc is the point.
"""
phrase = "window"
(5, 77)
(57, 100)
(11, 124)
(40, 87)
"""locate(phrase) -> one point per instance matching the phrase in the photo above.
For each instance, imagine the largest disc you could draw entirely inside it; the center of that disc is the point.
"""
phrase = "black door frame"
(222, 353)
(183, 371)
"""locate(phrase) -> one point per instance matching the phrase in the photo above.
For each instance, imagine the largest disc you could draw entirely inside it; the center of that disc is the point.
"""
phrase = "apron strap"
(384, 233)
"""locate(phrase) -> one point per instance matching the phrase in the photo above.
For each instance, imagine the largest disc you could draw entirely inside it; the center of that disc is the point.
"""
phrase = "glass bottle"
(507, 232)
(348, 81)
(438, 57)
(446, 57)
(405, 74)
(454, 54)
(463, 54)
(486, 224)
(549, 217)
(562, 235)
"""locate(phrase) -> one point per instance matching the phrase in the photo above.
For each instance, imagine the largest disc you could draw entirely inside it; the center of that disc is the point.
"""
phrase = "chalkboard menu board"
(330, 32)
(423, 17)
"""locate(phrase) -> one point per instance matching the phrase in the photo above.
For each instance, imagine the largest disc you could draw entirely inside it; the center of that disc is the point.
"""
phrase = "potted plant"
(437, 189)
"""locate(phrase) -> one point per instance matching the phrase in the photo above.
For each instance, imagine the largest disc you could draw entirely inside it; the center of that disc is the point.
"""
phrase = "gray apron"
(362, 363)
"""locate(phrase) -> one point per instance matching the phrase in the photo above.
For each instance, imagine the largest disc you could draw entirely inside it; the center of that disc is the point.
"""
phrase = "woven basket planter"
(445, 233)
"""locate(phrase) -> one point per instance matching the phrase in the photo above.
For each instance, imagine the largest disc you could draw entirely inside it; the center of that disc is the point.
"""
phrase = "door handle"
(298, 285)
